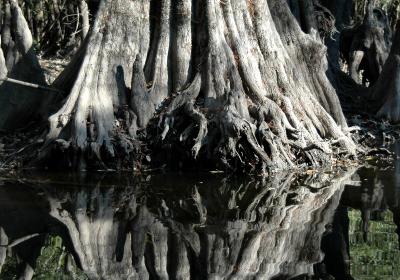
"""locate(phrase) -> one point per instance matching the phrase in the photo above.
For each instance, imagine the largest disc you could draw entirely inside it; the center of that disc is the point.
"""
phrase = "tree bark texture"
(370, 47)
(365, 46)
(237, 81)
(387, 89)
(19, 105)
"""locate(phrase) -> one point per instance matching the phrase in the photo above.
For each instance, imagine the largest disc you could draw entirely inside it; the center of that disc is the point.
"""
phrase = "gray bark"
(251, 83)
(3, 67)
(84, 9)
(386, 92)
(18, 61)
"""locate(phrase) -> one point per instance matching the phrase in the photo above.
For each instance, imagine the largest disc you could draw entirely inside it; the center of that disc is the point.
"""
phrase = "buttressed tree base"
(230, 83)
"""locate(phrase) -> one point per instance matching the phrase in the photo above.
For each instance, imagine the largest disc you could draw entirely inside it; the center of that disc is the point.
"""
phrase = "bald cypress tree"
(238, 81)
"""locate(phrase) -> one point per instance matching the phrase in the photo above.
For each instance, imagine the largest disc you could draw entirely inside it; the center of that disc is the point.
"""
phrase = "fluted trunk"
(233, 82)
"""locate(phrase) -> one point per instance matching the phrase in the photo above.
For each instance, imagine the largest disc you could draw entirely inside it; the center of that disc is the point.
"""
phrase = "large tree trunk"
(232, 80)
(386, 92)
(19, 104)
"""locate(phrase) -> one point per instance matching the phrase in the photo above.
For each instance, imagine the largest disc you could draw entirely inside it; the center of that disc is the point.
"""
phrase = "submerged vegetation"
(379, 257)
(52, 263)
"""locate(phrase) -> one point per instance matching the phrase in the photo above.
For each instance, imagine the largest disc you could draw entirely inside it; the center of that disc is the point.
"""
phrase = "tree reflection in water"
(198, 227)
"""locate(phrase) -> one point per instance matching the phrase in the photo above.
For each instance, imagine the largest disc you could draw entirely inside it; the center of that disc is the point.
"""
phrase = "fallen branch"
(20, 240)
(379, 151)
(26, 84)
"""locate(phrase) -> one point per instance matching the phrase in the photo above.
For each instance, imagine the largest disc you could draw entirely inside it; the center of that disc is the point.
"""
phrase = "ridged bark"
(386, 92)
(232, 82)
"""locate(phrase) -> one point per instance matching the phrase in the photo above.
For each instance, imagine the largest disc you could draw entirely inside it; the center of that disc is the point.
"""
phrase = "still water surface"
(328, 225)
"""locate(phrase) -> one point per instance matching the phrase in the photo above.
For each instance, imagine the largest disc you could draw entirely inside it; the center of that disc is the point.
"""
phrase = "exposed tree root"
(238, 83)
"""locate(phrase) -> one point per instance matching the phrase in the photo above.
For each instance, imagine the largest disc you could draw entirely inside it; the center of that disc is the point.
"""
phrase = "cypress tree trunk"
(3, 250)
(386, 92)
(371, 47)
(366, 46)
(19, 105)
(234, 81)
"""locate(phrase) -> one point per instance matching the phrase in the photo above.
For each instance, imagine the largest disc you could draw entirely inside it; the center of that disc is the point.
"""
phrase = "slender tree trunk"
(3, 67)
(3, 249)
(83, 7)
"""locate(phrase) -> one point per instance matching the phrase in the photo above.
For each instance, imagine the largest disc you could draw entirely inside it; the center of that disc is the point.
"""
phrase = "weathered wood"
(19, 241)
(3, 250)
(31, 85)
(261, 94)
(84, 9)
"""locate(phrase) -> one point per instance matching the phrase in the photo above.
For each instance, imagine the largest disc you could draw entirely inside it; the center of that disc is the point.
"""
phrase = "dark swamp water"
(330, 225)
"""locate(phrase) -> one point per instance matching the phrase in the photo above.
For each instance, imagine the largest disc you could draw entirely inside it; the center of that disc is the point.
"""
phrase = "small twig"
(12, 156)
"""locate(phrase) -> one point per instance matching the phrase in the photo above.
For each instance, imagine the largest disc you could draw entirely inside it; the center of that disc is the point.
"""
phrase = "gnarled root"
(256, 94)
(185, 101)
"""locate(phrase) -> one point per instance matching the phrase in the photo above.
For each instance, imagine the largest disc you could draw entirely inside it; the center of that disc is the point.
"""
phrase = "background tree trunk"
(19, 105)
(386, 92)
(84, 9)
(367, 49)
